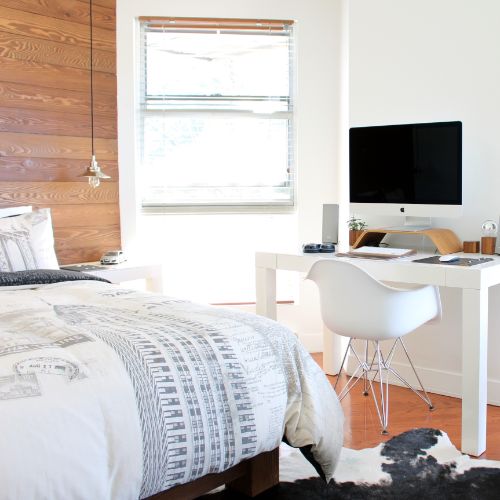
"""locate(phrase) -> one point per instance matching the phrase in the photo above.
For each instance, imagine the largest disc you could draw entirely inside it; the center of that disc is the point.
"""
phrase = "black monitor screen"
(409, 164)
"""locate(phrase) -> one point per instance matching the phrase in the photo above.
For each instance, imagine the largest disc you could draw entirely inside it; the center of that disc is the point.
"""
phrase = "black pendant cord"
(91, 79)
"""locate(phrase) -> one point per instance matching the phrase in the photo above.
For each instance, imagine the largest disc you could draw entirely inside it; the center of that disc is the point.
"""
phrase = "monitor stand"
(445, 240)
(413, 224)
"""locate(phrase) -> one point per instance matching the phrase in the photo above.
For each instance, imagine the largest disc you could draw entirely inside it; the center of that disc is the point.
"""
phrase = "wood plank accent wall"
(45, 119)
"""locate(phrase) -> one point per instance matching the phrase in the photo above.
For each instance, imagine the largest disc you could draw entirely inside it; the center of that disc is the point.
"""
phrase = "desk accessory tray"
(462, 261)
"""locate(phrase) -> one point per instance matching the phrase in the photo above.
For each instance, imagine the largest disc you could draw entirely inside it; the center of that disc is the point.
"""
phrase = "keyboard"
(382, 252)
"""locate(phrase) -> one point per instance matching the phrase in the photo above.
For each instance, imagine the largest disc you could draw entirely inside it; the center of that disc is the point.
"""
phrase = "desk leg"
(334, 347)
(474, 370)
(154, 280)
(265, 289)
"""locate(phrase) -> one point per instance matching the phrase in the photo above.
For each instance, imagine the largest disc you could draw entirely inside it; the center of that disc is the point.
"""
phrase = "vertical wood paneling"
(45, 119)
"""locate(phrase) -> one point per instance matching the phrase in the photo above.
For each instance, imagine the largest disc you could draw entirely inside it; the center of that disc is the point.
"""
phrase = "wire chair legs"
(378, 367)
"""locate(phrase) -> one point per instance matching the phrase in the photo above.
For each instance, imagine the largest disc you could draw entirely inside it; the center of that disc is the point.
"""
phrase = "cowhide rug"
(419, 464)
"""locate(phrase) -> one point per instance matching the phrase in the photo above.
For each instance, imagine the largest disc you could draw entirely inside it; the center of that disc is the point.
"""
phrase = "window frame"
(265, 206)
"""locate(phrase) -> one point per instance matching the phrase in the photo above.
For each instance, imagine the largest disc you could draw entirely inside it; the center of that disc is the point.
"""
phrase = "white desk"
(474, 282)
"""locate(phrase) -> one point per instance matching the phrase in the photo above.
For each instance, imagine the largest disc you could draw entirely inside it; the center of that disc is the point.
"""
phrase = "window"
(216, 112)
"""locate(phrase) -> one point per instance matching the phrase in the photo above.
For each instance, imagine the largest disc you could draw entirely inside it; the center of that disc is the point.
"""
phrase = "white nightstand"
(129, 271)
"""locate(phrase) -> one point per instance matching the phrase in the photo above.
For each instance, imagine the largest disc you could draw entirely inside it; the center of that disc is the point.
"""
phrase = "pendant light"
(93, 172)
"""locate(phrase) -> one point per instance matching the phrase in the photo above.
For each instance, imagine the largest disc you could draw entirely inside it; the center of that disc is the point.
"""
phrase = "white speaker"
(330, 223)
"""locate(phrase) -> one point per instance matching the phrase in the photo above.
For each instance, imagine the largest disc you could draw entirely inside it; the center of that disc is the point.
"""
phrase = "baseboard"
(435, 381)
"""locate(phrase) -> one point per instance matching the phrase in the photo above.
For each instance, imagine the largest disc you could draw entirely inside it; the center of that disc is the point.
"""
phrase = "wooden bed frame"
(250, 477)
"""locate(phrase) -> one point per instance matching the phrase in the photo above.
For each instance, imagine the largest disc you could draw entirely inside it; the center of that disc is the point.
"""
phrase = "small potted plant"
(356, 228)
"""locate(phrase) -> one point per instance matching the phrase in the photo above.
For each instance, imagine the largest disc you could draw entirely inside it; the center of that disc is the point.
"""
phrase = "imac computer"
(412, 170)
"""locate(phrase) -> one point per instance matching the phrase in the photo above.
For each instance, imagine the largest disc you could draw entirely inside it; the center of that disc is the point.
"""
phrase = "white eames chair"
(356, 305)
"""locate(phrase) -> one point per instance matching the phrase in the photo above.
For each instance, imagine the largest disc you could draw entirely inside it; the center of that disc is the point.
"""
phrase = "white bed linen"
(78, 415)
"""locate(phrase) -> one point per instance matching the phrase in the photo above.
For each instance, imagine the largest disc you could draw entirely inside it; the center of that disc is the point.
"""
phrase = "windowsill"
(220, 209)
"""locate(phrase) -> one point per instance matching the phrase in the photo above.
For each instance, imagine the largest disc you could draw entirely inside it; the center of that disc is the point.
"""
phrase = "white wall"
(437, 60)
(211, 257)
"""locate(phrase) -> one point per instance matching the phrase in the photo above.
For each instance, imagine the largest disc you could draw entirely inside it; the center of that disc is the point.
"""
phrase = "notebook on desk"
(380, 252)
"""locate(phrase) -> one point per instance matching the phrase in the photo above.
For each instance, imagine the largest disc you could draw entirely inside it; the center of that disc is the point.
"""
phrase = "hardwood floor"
(407, 411)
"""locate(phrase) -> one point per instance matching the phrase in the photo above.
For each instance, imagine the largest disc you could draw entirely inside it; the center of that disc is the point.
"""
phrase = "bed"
(110, 393)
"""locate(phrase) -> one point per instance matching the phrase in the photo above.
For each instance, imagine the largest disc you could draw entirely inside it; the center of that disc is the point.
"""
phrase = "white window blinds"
(216, 112)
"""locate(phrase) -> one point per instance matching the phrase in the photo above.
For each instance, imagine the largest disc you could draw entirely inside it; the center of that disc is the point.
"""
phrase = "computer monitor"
(410, 170)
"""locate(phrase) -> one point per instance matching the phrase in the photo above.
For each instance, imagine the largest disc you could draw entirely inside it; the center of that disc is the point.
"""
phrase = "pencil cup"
(471, 246)
(488, 245)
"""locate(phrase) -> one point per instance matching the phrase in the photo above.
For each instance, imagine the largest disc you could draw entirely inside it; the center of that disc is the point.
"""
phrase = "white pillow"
(27, 242)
